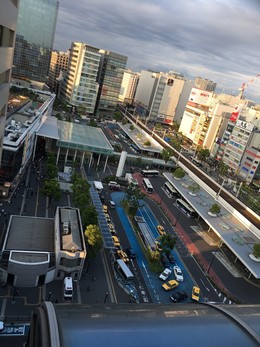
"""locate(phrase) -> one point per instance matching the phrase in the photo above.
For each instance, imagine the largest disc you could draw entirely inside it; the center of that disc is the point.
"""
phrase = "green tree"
(133, 195)
(51, 188)
(131, 127)
(203, 154)
(222, 168)
(166, 154)
(167, 241)
(194, 188)
(92, 122)
(179, 173)
(215, 209)
(256, 250)
(89, 215)
(118, 116)
(94, 237)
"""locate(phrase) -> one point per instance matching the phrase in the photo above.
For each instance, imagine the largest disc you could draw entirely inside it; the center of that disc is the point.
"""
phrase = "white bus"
(186, 208)
(149, 173)
(170, 190)
(123, 270)
(147, 185)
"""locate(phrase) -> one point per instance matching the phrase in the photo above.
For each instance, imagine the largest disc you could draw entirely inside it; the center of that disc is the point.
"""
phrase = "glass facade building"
(34, 39)
(111, 72)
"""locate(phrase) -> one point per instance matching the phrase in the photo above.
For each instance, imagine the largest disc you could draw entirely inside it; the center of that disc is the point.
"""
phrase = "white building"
(157, 95)
(128, 86)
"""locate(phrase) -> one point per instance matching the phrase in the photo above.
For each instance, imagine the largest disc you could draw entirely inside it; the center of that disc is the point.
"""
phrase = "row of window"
(6, 37)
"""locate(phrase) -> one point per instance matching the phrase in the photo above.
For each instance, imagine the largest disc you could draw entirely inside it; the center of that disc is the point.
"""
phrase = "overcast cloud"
(214, 39)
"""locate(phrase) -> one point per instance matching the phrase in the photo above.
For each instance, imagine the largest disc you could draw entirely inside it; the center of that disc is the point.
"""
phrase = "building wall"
(58, 65)
(128, 86)
(205, 84)
(250, 163)
(80, 87)
(34, 40)
(145, 88)
(110, 76)
(8, 19)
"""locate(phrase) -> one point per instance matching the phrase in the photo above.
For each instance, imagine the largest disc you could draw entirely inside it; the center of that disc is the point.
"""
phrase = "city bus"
(147, 185)
(186, 208)
(149, 173)
(123, 270)
(170, 190)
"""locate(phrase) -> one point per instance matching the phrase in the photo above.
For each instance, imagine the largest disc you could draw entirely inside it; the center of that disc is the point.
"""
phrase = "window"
(6, 37)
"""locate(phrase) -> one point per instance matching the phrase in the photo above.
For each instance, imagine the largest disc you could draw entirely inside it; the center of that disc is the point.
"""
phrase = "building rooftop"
(226, 225)
(138, 136)
(76, 136)
(30, 234)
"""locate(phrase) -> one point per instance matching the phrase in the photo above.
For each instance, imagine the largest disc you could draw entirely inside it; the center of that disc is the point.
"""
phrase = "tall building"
(58, 67)
(205, 84)
(34, 39)
(111, 70)
(80, 86)
(128, 86)
(8, 20)
(93, 79)
(157, 95)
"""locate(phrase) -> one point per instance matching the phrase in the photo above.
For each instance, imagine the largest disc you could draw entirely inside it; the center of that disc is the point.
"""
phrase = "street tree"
(166, 154)
(179, 173)
(131, 127)
(51, 189)
(94, 237)
(256, 250)
(133, 196)
(194, 188)
(203, 154)
(147, 143)
(215, 209)
(167, 241)
(89, 215)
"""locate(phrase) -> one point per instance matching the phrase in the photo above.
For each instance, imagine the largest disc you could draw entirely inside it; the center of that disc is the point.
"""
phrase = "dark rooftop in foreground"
(30, 234)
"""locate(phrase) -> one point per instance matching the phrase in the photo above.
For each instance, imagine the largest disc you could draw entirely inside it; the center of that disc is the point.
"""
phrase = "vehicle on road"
(68, 288)
(165, 260)
(165, 274)
(195, 295)
(185, 208)
(170, 190)
(178, 296)
(178, 273)
(114, 185)
(105, 208)
(161, 230)
(149, 173)
(131, 253)
(122, 255)
(112, 204)
(116, 241)
(147, 185)
(123, 270)
(170, 285)
(171, 258)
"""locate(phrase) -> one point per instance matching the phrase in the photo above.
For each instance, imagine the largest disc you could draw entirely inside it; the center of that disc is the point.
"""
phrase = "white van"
(68, 288)
(112, 204)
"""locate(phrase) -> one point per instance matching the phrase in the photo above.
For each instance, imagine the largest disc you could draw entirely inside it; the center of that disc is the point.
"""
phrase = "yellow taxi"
(170, 285)
(105, 208)
(122, 255)
(116, 241)
(161, 230)
(195, 295)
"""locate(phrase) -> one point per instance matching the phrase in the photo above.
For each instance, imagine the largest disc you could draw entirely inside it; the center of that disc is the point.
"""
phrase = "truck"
(98, 186)
(129, 177)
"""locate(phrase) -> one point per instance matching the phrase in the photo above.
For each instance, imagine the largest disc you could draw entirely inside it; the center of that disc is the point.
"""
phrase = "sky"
(214, 39)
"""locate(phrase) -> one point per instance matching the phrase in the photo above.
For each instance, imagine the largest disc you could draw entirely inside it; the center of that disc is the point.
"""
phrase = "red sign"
(235, 114)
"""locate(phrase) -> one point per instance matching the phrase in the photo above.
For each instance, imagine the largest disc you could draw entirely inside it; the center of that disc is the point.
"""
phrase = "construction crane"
(245, 85)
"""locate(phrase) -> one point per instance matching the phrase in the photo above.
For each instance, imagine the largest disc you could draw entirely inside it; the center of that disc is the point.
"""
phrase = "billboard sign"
(200, 97)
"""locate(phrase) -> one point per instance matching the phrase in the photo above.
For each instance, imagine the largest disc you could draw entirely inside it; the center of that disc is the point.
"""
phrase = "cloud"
(217, 39)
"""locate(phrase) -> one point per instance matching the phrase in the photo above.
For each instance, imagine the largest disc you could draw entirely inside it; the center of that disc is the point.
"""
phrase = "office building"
(58, 68)
(93, 79)
(8, 20)
(205, 84)
(128, 86)
(157, 95)
(80, 87)
(34, 39)
(110, 75)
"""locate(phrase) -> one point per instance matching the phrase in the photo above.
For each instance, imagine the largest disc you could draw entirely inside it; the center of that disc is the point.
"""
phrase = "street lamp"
(210, 264)
(106, 296)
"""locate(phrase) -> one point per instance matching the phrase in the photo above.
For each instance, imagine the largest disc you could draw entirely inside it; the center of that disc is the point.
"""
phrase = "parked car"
(178, 296)
(112, 204)
(178, 273)
(165, 274)
(165, 260)
(170, 285)
(114, 185)
(131, 253)
(161, 230)
(116, 241)
(105, 208)
(195, 295)
(171, 258)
